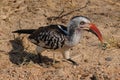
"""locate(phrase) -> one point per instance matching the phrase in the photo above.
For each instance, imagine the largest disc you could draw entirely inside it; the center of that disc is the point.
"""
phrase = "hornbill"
(59, 37)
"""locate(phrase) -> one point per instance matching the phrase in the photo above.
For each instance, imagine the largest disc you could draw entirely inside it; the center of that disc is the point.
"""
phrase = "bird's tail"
(24, 31)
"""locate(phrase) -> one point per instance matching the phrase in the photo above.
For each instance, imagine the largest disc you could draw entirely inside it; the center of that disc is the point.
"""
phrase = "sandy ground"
(18, 59)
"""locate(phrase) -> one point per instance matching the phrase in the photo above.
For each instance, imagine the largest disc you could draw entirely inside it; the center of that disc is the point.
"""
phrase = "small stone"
(74, 66)
(94, 77)
(108, 59)
(86, 60)
(118, 45)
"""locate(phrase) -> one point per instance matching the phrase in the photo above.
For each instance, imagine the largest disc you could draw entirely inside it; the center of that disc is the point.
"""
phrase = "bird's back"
(50, 37)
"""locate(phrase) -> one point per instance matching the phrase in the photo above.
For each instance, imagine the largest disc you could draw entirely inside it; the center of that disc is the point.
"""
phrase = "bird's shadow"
(19, 56)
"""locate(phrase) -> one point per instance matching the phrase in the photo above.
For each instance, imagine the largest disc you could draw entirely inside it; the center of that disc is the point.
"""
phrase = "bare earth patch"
(18, 59)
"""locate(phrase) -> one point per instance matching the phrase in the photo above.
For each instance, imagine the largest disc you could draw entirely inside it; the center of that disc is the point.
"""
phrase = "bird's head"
(80, 23)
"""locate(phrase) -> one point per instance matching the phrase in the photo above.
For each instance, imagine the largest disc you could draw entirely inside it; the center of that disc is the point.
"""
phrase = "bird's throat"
(74, 37)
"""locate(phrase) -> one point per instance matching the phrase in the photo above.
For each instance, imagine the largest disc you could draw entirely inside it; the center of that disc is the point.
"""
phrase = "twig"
(61, 16)
(2, 51)
(55, 17)
(19, 24)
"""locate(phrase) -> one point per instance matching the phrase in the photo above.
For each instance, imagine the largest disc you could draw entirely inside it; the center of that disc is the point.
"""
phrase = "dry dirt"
(18, 59)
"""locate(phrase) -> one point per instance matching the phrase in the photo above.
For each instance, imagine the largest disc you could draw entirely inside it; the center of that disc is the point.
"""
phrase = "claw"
(73, 62)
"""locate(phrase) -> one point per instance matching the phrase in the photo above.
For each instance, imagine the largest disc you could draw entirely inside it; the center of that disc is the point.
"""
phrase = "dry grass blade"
(61, 15)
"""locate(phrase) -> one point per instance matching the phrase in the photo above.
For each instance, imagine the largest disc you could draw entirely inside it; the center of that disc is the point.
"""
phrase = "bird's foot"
(73, 62)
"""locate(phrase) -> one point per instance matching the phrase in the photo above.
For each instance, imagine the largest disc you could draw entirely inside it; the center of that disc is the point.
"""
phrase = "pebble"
(108, 59)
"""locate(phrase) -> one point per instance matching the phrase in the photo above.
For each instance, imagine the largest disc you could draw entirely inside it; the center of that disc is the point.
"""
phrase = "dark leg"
(73, 62)
(66, 55)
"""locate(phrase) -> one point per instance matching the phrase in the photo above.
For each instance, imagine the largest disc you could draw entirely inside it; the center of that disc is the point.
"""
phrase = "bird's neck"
(73, 37)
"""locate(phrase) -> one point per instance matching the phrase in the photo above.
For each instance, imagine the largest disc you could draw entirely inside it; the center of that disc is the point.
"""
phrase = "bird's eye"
(82, 23)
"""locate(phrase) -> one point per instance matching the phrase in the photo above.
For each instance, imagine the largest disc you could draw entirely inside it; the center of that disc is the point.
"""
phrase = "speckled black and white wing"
(50, 37)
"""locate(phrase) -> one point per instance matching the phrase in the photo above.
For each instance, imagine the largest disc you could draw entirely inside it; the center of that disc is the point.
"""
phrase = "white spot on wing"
(62, 29)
